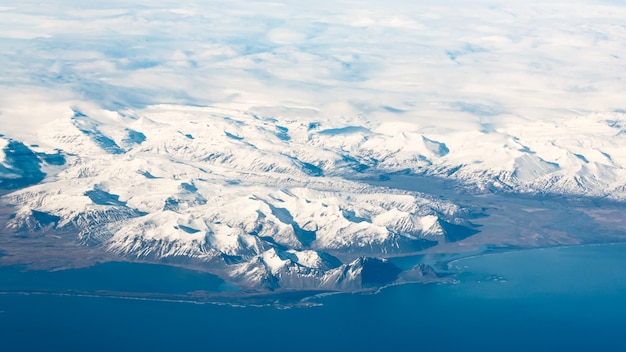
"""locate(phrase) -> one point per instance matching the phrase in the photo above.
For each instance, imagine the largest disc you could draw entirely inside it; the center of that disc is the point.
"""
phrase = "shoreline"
(288, 298)
(493, 251)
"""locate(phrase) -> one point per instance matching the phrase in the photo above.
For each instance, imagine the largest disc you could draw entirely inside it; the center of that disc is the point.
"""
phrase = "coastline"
(512, 249)
(282, 299)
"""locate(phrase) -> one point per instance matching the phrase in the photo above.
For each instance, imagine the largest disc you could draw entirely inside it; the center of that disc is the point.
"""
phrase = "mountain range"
(273, 202)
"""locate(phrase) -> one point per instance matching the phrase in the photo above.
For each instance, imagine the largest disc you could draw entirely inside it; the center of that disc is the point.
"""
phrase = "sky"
(445, 63)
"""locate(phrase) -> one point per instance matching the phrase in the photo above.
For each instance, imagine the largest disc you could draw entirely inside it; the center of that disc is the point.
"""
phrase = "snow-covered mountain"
(271, 202)
(251, 196)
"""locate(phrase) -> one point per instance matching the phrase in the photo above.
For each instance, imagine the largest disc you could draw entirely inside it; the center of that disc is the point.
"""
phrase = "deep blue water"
(112, 276)
(558, 299)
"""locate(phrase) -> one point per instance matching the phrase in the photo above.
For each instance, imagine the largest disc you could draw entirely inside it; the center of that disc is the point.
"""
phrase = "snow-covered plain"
(236, 132)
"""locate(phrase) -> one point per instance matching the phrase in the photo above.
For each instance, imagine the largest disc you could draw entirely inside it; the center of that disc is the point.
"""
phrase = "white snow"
(221, 187)
(3, 144)
(253, 123)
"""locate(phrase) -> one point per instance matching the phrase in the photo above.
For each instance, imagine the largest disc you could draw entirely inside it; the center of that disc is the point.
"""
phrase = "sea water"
(553, 299)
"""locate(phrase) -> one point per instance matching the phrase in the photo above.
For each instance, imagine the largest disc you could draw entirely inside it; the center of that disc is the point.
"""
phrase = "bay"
(552, 299)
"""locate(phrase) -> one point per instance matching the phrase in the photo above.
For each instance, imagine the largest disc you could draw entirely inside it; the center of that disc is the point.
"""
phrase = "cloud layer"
(397, 60)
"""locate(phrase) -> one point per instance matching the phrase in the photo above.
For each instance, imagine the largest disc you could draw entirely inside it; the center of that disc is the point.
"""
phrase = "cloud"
(448, 61)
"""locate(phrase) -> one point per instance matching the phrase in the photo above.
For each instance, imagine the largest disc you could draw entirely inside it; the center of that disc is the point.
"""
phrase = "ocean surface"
(553, 299)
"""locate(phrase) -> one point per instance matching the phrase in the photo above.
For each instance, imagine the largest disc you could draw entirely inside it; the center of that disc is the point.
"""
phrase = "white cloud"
(413, 61)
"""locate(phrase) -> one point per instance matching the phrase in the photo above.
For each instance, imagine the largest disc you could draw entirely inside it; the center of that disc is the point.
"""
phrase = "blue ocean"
(552, 299)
